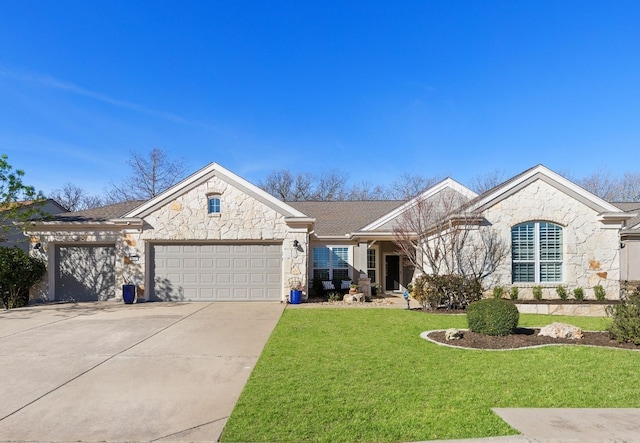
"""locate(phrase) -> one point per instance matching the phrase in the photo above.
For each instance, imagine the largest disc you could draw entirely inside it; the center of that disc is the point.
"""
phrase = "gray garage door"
(85, 273)
(215, 272)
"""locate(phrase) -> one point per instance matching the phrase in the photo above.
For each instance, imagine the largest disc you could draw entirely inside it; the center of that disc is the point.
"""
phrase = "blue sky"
(378, 89)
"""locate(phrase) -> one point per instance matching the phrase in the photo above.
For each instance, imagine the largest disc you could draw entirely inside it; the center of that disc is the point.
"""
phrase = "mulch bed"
(526, 337)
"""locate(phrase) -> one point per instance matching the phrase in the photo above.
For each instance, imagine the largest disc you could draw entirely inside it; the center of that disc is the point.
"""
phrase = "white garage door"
(215, 272)
(85, 273)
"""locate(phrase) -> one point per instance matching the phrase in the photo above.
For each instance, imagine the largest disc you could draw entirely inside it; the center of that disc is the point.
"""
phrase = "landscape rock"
(351, 298)
(453, 334)
(562, 330)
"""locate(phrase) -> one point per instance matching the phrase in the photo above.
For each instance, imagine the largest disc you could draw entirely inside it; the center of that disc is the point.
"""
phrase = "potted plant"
(295, 293)
(375, 287)
(353, 288)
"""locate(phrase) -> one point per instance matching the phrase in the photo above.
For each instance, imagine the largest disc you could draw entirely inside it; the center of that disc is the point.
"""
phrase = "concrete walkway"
(114, 372)
(566, 425)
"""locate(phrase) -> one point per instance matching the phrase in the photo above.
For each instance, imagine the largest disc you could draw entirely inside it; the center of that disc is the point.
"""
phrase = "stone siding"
(186, 218)
(591, 249)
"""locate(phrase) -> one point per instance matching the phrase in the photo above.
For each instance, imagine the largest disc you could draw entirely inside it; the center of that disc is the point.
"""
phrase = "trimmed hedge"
(492, 316)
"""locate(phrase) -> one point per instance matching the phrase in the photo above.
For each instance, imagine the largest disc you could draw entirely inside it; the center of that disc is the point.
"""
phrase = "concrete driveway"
(114, 372)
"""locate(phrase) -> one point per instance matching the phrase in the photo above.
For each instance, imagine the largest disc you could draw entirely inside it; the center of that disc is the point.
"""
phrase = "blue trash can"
(295, 297)
(128, 293)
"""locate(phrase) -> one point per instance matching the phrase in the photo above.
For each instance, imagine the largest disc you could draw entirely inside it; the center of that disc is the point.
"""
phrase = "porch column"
(361, 259)
(364, 283)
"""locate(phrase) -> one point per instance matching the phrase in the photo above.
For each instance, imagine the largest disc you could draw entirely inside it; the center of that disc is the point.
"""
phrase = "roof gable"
(540, 172)
(445, 185)
(202, 176)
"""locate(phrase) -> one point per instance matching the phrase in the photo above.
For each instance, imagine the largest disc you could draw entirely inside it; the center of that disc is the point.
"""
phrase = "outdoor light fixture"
(296, 243)
(37, 246)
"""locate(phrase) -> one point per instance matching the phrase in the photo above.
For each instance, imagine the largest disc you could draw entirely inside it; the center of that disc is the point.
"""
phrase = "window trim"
(376, 269)
(538, 261)
(331, 268)
(212, 198)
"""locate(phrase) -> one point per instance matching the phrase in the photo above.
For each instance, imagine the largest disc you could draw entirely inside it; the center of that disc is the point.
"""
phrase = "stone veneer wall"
(241, 218)
(591, 249)
(186, 218)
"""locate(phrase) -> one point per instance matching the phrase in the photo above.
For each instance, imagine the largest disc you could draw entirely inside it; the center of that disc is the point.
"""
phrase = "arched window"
(536, 253)
(214, 204)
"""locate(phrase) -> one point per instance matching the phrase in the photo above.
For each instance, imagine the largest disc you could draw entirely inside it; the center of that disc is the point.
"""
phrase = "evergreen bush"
(513, 293)
(498, 291)
(578, 294)
(537, 292)
(599, 292)
(18, 272)
(492, 316)
(562, 292)
(625, 324)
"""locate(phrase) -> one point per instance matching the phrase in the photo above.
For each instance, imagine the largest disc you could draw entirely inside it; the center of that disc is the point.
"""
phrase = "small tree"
(625, 324)
(18, 272)
(18, 202)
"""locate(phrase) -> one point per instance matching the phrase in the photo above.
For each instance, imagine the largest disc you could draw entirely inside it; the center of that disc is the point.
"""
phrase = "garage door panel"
(206, 263)
(210, 272)
(240, 279)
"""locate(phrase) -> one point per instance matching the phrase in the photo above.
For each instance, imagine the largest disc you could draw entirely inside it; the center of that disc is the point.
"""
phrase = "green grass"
(366, 375)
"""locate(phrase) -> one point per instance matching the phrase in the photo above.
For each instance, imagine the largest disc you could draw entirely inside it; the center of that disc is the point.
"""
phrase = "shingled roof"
(336, 218)
(630, 208)
(102, 213)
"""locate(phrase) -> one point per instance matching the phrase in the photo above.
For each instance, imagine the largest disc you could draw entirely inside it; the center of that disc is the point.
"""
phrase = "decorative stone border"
(576, 309)
(425, 336)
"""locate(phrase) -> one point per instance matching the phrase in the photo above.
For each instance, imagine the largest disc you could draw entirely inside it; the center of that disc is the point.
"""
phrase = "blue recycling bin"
(128, 293)
(295, 297)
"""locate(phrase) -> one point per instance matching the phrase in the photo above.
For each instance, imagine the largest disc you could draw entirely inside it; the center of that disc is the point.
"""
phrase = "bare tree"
(331, 186)
(611, 188)
(366, 191)
(439, 235)
(73, 198)
(284, 185)
(150, 175)
(488, 180)
(601, 183)
(408, 186)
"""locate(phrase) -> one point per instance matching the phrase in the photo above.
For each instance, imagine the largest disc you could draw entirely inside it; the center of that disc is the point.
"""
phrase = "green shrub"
(452, 291)
(18, 272)
(599, 292)
(578, 294)
(537, 292)
(562, 292)
(513, 293)
(492, 316)
(625, 325)
(335, 296)
(498, 291)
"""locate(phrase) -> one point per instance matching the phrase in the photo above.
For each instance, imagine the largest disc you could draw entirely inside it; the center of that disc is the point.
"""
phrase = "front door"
(392, 273)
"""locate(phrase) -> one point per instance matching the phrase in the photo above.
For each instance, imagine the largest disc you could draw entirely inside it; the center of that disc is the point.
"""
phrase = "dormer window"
(213, 204)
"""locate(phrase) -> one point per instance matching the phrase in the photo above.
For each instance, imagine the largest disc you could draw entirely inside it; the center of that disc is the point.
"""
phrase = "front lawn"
(366, 375)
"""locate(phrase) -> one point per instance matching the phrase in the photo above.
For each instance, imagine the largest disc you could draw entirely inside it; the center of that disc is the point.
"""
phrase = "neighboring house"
(630, 247)
(14, 236)
(215, 236)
